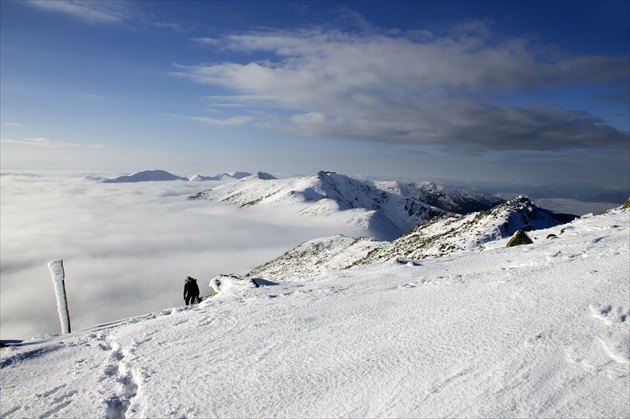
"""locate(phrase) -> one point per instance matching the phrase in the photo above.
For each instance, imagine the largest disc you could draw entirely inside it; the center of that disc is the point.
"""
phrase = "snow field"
(532, 331)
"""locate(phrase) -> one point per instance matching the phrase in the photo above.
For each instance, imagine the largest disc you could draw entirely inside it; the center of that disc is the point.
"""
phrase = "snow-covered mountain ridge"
(531, 331)
(386, 208)
(440, 236)
(445, 197)
(454, 233)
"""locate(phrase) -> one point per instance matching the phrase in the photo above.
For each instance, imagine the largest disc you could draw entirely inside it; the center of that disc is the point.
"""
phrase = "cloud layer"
(127, 248)
(91, 12)
(121, 13)
(447, 88)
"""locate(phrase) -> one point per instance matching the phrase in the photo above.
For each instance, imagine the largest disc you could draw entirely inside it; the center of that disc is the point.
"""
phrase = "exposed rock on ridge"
(447, 198)
(439, 237)
(452, 233)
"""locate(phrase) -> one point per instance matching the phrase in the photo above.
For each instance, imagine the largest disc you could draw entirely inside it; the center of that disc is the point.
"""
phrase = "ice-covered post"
(58, 276)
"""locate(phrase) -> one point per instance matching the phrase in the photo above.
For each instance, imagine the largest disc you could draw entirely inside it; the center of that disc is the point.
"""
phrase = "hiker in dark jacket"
(191, 290)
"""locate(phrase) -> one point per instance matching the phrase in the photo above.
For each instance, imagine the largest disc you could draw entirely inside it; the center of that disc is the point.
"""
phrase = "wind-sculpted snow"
(530, 331)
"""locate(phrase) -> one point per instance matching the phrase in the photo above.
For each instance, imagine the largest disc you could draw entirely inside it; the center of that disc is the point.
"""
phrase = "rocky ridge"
(452, 233)
(440, 236)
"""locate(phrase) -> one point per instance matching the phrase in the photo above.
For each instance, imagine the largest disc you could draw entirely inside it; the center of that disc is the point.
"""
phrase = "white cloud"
(42, 142)
(419, 88)
(236, 120)
(90, 96)
(101, 12)
(207, 41)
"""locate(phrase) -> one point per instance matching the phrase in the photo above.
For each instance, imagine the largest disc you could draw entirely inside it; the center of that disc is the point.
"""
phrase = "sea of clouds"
(127, 248)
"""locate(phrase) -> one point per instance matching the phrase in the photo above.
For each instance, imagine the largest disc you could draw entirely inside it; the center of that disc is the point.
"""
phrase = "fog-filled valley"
(127, 247)
(128, 242)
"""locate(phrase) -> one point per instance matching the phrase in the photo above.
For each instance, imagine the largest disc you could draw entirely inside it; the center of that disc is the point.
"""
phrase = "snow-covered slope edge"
(530, 331)
(438, 237)
(315, 257)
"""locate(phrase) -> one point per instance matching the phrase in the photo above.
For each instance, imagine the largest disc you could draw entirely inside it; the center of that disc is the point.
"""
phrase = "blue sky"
(503, 94)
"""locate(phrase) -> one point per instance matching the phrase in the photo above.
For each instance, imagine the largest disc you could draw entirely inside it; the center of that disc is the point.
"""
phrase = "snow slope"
(315, 257)
(538, 330)
(454, 233)
(440, 236)
(388, 209)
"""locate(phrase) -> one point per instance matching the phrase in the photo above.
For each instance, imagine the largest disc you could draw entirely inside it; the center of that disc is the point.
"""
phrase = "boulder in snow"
(519, 238)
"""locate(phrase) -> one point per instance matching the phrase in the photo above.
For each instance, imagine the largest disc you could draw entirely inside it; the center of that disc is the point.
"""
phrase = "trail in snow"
(533, 331)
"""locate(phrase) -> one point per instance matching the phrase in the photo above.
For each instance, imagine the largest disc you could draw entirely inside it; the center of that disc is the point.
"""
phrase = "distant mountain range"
(222, 176)
(163, 175)
(388, 209)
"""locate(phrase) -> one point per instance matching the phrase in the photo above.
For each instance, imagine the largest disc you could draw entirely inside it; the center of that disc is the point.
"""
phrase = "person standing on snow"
(191, 290)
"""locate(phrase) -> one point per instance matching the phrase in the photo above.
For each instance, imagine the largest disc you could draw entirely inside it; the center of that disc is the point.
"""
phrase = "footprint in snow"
(609, 314)
(616, 339)
(57, 398)
(537, 340)
(118, 405)
(609, 352)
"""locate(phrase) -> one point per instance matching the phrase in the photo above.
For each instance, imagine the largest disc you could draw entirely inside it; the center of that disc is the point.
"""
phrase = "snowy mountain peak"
(385, 214)
(386, 209)
(261, 176)
(236, 175)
